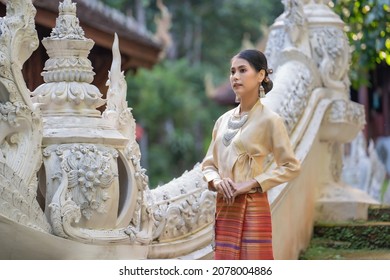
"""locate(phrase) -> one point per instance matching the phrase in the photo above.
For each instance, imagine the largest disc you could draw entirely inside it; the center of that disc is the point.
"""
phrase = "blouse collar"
(236, 112)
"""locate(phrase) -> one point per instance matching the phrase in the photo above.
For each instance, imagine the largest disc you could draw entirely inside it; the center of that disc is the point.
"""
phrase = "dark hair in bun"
(259, 62)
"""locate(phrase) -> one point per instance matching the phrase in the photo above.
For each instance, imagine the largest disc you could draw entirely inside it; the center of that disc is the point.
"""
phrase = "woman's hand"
(224, 187)
(229, 189)
(244, 187)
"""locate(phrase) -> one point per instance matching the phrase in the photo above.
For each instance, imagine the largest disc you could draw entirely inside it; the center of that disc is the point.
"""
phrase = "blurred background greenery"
(170, 101)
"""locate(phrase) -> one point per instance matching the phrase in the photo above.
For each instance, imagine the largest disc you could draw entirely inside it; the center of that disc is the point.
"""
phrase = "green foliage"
(368, 30)
(171, 105)
(222, 26)
(118, 4)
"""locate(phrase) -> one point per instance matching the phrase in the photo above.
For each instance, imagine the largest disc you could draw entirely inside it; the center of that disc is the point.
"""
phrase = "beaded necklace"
(235, 122)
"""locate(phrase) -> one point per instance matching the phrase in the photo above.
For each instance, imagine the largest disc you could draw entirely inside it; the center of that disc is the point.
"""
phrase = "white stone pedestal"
(340, 202)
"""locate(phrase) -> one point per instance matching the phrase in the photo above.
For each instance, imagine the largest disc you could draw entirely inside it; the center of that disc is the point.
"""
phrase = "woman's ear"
(261, 75)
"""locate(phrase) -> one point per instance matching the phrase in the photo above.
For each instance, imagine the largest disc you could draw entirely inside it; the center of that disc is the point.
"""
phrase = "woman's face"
(244, 79)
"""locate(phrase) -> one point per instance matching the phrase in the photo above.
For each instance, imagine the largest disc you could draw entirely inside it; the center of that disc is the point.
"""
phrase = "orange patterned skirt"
(243, 230)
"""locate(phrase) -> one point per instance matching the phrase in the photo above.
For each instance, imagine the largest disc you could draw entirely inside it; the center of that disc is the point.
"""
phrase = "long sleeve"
(209, 165)
(288, 165)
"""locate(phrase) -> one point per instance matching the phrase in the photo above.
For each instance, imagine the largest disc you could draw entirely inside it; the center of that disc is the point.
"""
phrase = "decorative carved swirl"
(275, 43)
(183, 206)
(20, 123)
(346, 111)
(89, 175)
(18, 39)
(189, 216)
(296, 100)
(332, 56)
(65, 212)
(295, 21)
(145, 206)
(12, 112)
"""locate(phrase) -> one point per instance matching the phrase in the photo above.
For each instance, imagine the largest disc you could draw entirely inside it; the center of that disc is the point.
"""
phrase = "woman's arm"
(288, 165)
(209, 165)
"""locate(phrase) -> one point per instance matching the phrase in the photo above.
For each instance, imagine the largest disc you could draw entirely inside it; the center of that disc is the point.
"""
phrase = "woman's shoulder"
(267, 112)
(271, 117)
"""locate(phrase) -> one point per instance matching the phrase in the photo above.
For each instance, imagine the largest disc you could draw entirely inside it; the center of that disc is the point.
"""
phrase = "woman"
(233, 167)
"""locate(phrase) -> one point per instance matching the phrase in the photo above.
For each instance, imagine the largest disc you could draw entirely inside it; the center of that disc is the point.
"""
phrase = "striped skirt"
(243, 230)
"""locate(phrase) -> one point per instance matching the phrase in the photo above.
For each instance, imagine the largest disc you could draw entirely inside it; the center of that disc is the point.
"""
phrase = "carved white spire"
(68, 71)
(67, 24)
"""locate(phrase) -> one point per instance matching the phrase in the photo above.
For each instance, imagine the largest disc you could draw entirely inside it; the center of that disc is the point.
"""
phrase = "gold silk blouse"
(242, 160)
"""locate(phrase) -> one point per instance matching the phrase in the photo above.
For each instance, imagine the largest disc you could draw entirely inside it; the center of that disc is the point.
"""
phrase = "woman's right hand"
(224, 187)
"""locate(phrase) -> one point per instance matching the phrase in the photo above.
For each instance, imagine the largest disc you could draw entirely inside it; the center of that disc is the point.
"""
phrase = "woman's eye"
(242, 70)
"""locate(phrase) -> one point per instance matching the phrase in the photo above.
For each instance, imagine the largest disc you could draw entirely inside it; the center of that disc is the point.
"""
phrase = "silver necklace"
(234, 124)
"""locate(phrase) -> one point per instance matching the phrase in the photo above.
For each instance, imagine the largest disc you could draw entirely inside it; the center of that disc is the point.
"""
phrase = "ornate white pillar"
(310, 54)
(91, 176)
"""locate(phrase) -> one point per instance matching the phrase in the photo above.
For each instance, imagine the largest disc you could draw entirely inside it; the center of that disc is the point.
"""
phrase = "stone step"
(355, 235)
(379, 213)
(354, 240)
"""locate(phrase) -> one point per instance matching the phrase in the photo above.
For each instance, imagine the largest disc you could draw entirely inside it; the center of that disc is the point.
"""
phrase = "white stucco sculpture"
(71, 182)
(81, 165)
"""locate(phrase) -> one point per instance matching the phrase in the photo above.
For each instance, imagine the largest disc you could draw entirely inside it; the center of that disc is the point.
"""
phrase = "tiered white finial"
(68, 72)
(67, 24)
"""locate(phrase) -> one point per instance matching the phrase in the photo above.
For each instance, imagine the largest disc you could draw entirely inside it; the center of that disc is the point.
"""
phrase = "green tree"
(368, 30)
(169, 102)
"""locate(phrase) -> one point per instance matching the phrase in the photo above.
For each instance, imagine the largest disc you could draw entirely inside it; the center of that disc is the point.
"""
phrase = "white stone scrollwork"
(333, 56)
(20, 123)
(89, 176)
(275, 43)
(185, 206)
(297, 98)
(296, 26)
(12, 113)
(346, 111)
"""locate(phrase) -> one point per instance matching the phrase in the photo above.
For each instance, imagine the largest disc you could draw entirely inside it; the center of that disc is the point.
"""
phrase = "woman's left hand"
(244, 187)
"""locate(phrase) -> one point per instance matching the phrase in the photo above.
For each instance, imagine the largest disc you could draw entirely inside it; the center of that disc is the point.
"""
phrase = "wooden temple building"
(138, 46)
